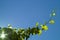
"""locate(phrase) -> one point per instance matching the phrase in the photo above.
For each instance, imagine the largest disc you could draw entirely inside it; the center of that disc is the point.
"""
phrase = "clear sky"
(25, 13)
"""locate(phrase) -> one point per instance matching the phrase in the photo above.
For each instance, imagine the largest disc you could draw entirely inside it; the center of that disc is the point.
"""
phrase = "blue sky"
(25, 13)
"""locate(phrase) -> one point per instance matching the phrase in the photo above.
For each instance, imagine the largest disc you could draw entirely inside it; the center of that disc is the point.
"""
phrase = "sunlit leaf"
(44, 27)
(37, 24)
(39, 32)
(53, 13)
(51, 21)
